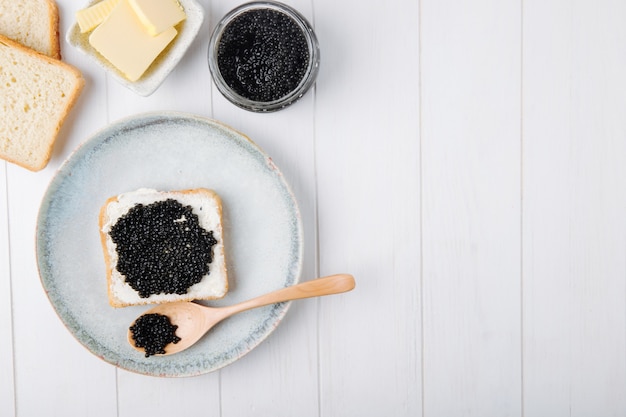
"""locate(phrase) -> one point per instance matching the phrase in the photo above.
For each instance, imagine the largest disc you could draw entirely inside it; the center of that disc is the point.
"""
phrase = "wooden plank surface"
(7, 383)
(574, 206)
(471, 207)
(367, 161)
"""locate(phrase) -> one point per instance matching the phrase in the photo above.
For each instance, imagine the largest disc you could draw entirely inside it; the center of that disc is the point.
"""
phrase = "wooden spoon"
(194, 320)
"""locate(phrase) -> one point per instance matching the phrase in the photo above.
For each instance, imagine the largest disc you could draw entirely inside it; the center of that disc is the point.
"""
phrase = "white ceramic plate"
(165, 62)
(169, 151)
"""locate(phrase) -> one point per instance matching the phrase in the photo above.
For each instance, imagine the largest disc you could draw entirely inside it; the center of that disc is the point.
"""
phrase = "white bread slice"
(36, 95)
(33, 23)
(205, 204)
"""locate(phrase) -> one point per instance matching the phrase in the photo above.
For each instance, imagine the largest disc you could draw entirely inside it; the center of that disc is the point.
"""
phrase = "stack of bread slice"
(37, 89)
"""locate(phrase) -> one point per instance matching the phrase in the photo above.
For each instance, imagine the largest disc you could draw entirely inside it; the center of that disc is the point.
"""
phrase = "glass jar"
(263, 56)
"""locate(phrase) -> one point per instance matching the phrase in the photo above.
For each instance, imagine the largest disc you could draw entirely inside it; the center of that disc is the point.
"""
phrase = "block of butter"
(92, 16)
(158, 15)
(122, 39)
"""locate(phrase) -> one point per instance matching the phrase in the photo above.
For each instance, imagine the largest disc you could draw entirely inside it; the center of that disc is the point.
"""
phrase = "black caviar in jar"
(153, 332)
(263, 56)
(162, 248)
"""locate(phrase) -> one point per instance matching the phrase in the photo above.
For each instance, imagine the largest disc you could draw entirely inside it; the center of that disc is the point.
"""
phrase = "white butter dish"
(164, 64)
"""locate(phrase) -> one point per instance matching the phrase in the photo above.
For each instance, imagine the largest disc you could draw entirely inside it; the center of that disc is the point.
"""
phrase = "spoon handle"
(333, 284)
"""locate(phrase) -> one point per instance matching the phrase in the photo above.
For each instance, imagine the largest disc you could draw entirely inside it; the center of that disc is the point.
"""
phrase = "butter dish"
(159, 70)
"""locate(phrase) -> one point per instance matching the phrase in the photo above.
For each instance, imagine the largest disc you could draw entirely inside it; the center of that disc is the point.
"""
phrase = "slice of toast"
(32, 23)
(36, 95)
(163, 246)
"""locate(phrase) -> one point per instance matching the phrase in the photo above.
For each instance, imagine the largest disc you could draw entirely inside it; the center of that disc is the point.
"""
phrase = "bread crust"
(55, 43)
(107, 256)
(72, 97)
(104, 237)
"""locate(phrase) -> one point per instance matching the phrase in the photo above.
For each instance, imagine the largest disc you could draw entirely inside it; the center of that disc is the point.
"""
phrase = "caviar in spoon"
(194, 320)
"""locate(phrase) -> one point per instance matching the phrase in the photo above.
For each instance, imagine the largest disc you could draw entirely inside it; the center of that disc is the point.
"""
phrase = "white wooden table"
(466, 161)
